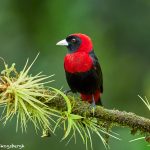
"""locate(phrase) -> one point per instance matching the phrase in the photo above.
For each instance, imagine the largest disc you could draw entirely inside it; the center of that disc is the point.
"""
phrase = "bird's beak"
(62, 42)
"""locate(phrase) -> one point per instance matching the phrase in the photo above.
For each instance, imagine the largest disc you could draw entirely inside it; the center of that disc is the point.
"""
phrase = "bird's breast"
(78, 62)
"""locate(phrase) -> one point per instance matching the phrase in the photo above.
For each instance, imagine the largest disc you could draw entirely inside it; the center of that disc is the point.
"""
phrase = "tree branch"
(113, 117)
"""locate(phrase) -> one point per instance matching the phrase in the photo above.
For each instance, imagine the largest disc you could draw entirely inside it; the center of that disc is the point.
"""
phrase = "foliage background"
(120, 31)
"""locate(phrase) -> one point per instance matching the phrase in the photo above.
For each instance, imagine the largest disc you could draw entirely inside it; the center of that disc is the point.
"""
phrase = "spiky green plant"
(20, 95)
(145, 101)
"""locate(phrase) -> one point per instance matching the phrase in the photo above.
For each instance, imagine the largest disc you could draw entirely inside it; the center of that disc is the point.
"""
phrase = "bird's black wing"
(98, 70)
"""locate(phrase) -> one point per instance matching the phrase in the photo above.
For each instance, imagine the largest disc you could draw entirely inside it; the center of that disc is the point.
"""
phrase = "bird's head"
(77, 43)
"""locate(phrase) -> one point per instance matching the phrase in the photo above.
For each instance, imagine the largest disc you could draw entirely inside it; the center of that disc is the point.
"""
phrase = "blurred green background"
(120, 31)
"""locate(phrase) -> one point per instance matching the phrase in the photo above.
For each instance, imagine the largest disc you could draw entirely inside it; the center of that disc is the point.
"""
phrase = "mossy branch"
(113, 117)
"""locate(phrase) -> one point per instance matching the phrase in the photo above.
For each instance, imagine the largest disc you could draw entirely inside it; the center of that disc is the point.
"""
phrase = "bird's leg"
(67, 91)
(93, 106)
(93, 101)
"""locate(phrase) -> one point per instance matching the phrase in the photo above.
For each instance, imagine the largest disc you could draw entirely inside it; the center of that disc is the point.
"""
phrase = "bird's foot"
(92, 108)
(93, 105)
(67, 92)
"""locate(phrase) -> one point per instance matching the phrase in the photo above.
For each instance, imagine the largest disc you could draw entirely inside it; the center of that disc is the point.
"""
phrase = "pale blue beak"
(62, 42)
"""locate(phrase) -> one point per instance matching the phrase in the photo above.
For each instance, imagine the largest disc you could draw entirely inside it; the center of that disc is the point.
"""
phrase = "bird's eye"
(73, 41)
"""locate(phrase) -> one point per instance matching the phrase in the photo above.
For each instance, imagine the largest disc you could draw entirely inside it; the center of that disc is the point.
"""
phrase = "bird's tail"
(99, 102)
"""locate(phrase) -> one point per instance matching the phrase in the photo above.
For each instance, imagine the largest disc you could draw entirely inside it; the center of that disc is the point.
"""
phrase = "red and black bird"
(83, 71)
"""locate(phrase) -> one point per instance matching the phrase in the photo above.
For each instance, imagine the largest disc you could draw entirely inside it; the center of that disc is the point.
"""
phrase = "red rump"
(78, 62)
(86, 43)
(89, 97)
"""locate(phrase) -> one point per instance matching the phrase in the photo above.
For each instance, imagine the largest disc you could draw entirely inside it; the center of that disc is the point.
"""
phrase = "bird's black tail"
(99, 102)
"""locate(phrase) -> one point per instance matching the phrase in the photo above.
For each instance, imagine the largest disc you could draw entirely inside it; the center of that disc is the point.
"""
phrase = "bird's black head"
(77, 43)
(73, 43)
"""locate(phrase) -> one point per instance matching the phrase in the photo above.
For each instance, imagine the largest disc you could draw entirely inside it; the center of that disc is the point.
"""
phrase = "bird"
(82, 68)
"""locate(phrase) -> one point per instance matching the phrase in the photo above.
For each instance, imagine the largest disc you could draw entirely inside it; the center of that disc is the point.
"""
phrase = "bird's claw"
(92, 108)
